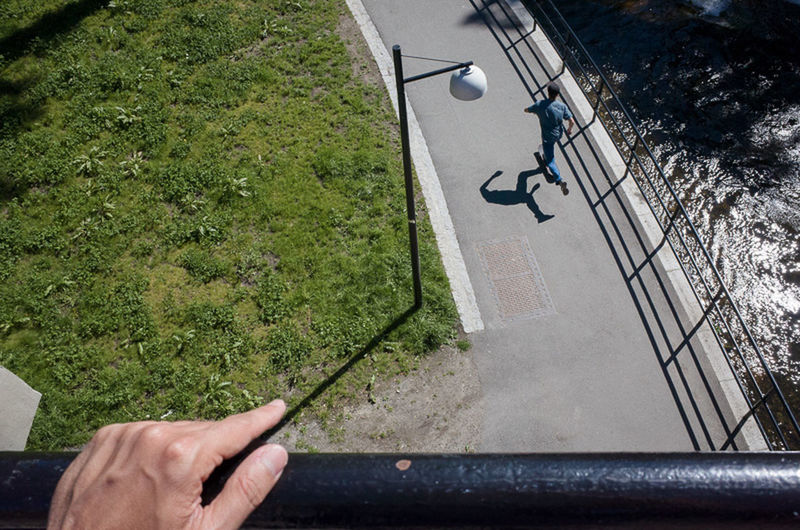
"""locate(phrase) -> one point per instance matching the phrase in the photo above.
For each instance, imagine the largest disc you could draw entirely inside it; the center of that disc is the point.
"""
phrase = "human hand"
(150, 474)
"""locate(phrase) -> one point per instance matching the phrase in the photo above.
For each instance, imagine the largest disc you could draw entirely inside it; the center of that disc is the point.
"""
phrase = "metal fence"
(766, 403)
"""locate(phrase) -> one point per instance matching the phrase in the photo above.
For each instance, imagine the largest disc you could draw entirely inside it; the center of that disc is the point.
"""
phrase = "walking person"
(552, 115)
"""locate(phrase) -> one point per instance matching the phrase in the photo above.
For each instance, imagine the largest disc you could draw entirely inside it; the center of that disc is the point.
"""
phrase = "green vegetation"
(201, 208)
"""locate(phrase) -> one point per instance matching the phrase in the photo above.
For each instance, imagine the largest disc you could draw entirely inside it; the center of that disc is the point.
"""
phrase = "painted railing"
(634, 490)
(765, 401)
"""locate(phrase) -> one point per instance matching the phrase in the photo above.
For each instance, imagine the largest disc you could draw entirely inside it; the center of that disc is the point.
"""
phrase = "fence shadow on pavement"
(691, 381)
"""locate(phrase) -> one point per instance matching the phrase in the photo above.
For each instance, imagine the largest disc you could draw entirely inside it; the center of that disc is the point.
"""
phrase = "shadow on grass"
(47, 27)
(17, 113)
(355, 359)
(224, 471)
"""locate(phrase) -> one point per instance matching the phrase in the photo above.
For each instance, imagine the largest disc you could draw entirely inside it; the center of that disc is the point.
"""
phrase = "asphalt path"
(575, 354)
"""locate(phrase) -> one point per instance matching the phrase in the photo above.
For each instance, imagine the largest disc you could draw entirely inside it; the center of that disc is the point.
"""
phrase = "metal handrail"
(566, 40)
(574, 490)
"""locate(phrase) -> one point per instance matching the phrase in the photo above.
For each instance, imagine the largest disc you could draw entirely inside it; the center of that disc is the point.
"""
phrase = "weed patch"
(201, 209)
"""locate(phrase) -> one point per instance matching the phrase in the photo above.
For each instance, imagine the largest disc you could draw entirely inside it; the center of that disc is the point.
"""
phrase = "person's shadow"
(519, 195)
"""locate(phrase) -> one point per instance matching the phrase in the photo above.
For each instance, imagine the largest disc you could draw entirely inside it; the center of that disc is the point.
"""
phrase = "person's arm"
(150, 474)
(570, 124)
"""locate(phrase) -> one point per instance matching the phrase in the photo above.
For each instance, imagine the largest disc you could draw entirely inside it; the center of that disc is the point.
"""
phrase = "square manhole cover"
(515, 279)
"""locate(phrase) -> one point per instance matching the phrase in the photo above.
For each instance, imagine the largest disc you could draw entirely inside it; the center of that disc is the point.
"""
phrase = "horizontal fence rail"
(766, 403)
(634, 490)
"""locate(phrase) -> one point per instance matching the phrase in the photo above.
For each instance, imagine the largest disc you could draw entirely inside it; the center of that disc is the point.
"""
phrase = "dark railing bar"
(522, 38)
(670, 189)
(696, 267)
(580, 46)
(699, 300)
(754, 381)
(693, 231)
(671, 224)
(632, 261)
(631, 490)
(640, 163)
(722, 348)
(739, 383)
(737, 347)
(690, 255)
(750, 413)
(623, 109)
(645, 173)
(507, 36)
(634, 156)
(599, 95)
(686, 247)
(724, 352)
(565, 46)
(625, 112)
(509, 18)
(745, 395)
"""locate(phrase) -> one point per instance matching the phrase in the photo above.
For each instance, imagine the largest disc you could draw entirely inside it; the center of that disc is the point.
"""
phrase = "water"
(715, 86)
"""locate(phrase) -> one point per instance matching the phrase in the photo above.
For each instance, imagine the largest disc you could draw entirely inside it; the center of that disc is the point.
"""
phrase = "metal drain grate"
(515, 279)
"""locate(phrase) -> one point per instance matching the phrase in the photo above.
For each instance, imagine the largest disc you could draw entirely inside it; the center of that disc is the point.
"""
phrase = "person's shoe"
(563, 185)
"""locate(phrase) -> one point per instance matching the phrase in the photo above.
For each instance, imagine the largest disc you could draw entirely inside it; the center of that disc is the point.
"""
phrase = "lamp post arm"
(437, 72)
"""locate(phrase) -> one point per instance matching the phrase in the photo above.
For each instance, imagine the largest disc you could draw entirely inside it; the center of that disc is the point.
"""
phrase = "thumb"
(247, 487)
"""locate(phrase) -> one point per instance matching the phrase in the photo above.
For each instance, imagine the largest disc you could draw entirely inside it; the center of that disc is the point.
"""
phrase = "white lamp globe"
(468, 83)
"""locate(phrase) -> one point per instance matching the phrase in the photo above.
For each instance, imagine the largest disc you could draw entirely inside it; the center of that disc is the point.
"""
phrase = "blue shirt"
(551, 117)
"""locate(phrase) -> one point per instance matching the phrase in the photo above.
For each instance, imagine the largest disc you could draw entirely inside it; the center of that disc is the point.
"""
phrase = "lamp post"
(467, 83)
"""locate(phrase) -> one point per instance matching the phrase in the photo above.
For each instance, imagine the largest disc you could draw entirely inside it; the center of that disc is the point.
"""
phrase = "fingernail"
(274, 458)
(277, 402)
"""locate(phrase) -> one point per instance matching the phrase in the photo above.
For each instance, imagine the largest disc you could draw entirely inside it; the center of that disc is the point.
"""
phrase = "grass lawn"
(201, 208)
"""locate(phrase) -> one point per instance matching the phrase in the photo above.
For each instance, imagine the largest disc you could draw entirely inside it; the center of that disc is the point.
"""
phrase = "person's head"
(553, 90)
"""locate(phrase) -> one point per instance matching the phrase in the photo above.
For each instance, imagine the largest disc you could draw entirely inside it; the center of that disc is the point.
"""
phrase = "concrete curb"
(519, 14)
(18, 404)
(452, 258)
(636, 202)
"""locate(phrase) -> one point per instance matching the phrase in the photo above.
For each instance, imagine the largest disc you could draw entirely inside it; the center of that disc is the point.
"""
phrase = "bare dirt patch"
(363, 63)
(436, 408)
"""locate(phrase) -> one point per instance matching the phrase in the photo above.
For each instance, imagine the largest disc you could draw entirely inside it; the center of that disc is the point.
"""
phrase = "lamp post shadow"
(215, 483)
(519, 195)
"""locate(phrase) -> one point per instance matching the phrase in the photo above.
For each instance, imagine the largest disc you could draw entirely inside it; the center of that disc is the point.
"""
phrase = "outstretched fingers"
(247, 487)
(231, 435)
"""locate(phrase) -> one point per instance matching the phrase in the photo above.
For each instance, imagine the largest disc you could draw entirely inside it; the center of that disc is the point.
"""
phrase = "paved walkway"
(575, 354)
